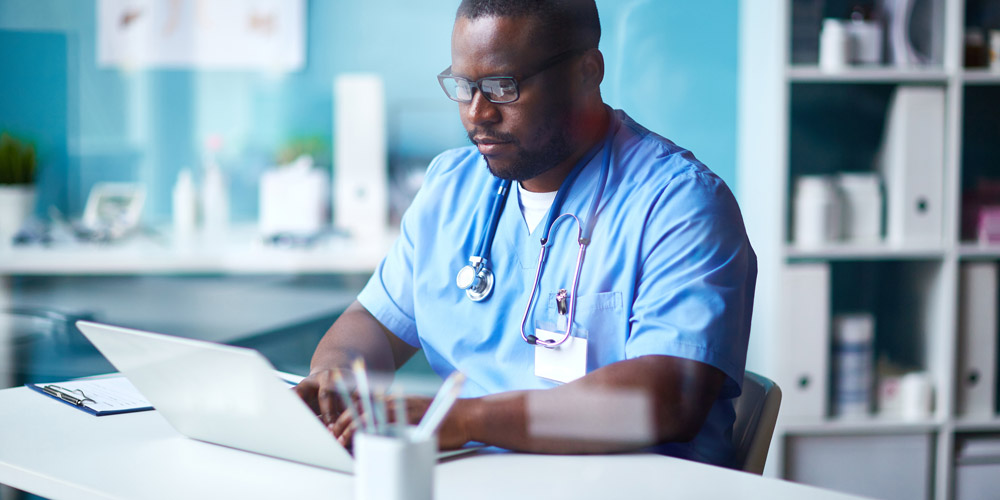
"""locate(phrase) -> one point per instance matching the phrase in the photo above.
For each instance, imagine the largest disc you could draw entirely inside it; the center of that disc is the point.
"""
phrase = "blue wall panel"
(671, 65)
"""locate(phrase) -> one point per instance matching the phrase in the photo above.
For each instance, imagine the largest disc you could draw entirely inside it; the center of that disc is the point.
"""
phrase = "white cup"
(394, 467)
(916, 395)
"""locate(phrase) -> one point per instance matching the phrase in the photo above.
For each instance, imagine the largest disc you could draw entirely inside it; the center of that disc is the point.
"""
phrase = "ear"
(592, 69)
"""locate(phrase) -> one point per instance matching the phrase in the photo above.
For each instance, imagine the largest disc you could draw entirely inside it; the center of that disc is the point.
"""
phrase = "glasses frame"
(477, 84)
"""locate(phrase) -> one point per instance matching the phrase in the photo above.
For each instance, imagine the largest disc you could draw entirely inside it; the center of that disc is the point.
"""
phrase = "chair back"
(756, 413)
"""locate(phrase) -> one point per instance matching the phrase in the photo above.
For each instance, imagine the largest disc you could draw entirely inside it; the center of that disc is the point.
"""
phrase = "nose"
(480, 111)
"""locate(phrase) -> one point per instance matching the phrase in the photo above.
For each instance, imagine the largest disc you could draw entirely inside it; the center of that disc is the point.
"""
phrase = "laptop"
(220, 394)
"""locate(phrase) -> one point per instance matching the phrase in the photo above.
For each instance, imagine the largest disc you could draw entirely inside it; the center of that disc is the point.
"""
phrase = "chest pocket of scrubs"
(600, 319)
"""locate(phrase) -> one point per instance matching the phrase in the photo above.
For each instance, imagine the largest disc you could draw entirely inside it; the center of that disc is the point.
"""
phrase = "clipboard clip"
(72, 396)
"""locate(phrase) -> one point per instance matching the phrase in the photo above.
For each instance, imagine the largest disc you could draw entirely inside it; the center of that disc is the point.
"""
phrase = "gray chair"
(756, 414)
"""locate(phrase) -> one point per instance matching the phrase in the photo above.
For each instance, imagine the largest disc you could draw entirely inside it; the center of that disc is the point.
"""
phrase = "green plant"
(316, 146)
(17, 161)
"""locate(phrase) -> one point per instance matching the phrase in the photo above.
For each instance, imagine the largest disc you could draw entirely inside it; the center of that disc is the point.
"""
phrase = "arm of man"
(679, 392)
(355, 333)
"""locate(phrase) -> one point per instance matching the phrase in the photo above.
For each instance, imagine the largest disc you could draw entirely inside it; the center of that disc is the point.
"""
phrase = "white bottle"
(834, 46)
(185, 209)
(215, 203)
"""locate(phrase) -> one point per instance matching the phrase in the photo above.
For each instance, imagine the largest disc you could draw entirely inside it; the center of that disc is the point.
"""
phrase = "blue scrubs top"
(669, 271)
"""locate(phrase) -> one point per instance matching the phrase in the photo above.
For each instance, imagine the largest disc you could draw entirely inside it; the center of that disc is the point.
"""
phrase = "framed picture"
(114, 207)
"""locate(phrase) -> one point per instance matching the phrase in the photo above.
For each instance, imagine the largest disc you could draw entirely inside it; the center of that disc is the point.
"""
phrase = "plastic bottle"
(214, 197)
(185, 209)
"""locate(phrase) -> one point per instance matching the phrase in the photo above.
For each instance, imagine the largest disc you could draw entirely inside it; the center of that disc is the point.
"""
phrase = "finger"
(346, 437)
(329, 405)
(341, 424)
(307, 391)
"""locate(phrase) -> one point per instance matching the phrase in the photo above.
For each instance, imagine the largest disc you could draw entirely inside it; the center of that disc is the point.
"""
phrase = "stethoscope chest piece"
(476, 279)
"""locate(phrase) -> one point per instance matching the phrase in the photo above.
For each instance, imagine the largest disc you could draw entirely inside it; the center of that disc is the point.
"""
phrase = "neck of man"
(593, 123)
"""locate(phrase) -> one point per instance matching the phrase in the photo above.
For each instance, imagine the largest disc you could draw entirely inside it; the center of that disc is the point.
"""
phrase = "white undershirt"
(534, 206)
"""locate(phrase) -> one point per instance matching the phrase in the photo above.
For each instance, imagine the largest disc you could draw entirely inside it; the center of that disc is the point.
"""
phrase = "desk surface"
(56, 451)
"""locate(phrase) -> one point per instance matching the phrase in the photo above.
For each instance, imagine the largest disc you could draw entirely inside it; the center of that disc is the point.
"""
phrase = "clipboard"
(98, 396)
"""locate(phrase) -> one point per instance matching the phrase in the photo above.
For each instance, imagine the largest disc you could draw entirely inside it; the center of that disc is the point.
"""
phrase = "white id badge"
(563, 363)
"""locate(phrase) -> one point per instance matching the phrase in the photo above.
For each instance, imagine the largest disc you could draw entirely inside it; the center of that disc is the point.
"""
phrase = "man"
(659, 305)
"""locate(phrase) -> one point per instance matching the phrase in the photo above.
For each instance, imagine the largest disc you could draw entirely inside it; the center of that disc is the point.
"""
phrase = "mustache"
(492, 134)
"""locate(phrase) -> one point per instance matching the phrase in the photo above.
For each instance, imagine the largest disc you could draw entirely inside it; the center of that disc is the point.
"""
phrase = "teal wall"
(671, 65)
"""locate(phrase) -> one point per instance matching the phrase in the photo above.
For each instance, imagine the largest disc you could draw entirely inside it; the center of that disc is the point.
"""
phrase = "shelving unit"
(797, 119)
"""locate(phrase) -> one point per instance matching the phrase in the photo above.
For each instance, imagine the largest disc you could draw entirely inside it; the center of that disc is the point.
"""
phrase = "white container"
(916, 396)
(861, 214)
(185, 209)
(994, 55)
(17, 203)
(394, 468)
(817, 212)
(834, 46)
(865, 43)
(853, 364)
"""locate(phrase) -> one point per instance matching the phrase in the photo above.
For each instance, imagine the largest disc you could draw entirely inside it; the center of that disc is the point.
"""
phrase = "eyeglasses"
(496, 89)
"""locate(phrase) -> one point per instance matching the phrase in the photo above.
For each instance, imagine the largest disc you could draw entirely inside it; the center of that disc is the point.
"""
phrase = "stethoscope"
(476, 278)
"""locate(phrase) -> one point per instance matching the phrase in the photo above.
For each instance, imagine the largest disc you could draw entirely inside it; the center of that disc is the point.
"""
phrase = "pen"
(365, 395)
(345, 395)
(399, 405)
(65, 395)
(443, 401)
(381, 421)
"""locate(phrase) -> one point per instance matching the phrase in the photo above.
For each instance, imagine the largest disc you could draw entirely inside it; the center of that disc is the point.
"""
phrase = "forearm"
(357, 334)
(620, 407)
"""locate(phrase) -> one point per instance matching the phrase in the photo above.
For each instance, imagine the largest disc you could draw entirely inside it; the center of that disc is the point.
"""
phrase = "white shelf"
(243, 253)
(981, 77)
(977, 425)
(871, 425)
(975, 250)
(874, 252)
(880, 74)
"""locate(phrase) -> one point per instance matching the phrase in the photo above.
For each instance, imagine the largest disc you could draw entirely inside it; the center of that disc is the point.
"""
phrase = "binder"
(977, 356)
(803, 340)
(96, 396)
(911, 161)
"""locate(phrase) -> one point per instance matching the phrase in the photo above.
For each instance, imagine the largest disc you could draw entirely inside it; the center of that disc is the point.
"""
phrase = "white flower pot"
(17, 203)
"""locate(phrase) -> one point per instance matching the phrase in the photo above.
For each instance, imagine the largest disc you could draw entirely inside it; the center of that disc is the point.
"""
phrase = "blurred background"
(174, 166)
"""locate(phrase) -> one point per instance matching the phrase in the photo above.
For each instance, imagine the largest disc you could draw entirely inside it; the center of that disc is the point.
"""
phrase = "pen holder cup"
(394, 467)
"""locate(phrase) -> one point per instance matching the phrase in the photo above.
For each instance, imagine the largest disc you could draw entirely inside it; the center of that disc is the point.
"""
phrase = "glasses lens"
(457, 89)
(499, 89)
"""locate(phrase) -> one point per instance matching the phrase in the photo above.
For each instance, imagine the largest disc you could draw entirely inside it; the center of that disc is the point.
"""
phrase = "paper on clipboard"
(98, 396)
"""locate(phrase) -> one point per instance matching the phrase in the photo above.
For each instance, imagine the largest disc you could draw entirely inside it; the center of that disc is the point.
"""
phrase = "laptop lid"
(219, 394)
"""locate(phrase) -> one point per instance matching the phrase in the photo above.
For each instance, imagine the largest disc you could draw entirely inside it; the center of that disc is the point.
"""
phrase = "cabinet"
(929, 131)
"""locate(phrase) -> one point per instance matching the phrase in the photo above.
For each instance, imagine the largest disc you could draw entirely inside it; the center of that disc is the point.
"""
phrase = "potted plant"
(17, 185)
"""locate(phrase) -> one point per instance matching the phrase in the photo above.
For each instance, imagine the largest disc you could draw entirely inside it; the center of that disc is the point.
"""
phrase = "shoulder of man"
(656, 164)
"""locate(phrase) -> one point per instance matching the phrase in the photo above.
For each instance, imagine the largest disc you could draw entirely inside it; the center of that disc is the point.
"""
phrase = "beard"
(529, 163)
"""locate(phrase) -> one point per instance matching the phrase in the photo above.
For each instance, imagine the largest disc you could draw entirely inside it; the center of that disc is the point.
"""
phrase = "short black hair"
(566, 22)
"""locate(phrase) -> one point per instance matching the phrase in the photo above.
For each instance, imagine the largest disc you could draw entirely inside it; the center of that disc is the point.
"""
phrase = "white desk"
(56, 451)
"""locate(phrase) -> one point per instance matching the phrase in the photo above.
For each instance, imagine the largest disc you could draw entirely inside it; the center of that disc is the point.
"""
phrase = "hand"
(320, 393)
(451, 433)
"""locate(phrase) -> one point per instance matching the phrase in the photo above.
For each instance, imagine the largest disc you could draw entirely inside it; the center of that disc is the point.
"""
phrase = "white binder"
(912, 163)
(977, 356)
(804, 340)
(360, 167)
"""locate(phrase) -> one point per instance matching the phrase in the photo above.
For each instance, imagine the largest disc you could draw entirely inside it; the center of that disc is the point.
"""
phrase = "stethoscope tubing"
(576, 285)
(584, 233)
